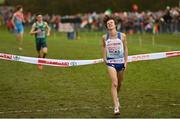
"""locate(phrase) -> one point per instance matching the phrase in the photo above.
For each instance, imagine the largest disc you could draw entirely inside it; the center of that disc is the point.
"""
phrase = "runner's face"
(21, 10)
(111, 24)
(39, 18)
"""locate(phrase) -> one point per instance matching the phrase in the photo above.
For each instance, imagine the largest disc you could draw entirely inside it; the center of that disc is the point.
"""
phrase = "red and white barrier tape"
(68, 63)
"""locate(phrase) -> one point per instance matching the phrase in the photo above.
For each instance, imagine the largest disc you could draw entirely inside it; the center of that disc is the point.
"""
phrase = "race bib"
(115, 49)
(41, 34)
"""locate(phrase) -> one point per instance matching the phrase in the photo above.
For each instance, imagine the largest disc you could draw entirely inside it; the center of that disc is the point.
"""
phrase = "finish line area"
(74, 81)
(69, 63)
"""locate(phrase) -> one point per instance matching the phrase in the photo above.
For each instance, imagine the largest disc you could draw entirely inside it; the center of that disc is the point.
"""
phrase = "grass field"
(150, 88)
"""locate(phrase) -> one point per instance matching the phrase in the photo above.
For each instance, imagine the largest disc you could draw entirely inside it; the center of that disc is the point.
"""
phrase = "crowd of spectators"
(162, 21)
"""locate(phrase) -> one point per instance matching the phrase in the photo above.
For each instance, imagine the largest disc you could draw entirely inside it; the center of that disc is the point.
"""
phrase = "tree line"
(68, 7)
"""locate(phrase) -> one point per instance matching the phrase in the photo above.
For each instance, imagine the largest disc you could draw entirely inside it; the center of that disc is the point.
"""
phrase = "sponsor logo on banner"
(6, 56)
(16, 58)
(73, 63)
(140, 57)
(97, 61)
(172, 54)
(48, 62)
(116, 61)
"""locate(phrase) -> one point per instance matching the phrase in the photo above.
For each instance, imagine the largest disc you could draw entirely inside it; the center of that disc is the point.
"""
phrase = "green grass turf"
(150, 88)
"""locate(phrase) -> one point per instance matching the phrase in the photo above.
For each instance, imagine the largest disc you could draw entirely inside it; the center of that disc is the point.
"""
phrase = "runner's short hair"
(18, 7)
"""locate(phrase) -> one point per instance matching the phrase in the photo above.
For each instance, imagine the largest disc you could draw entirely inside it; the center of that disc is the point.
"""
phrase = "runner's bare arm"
(125, 50)
(48, 29)
(32, 32)
(104, 48)
(12, 20)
